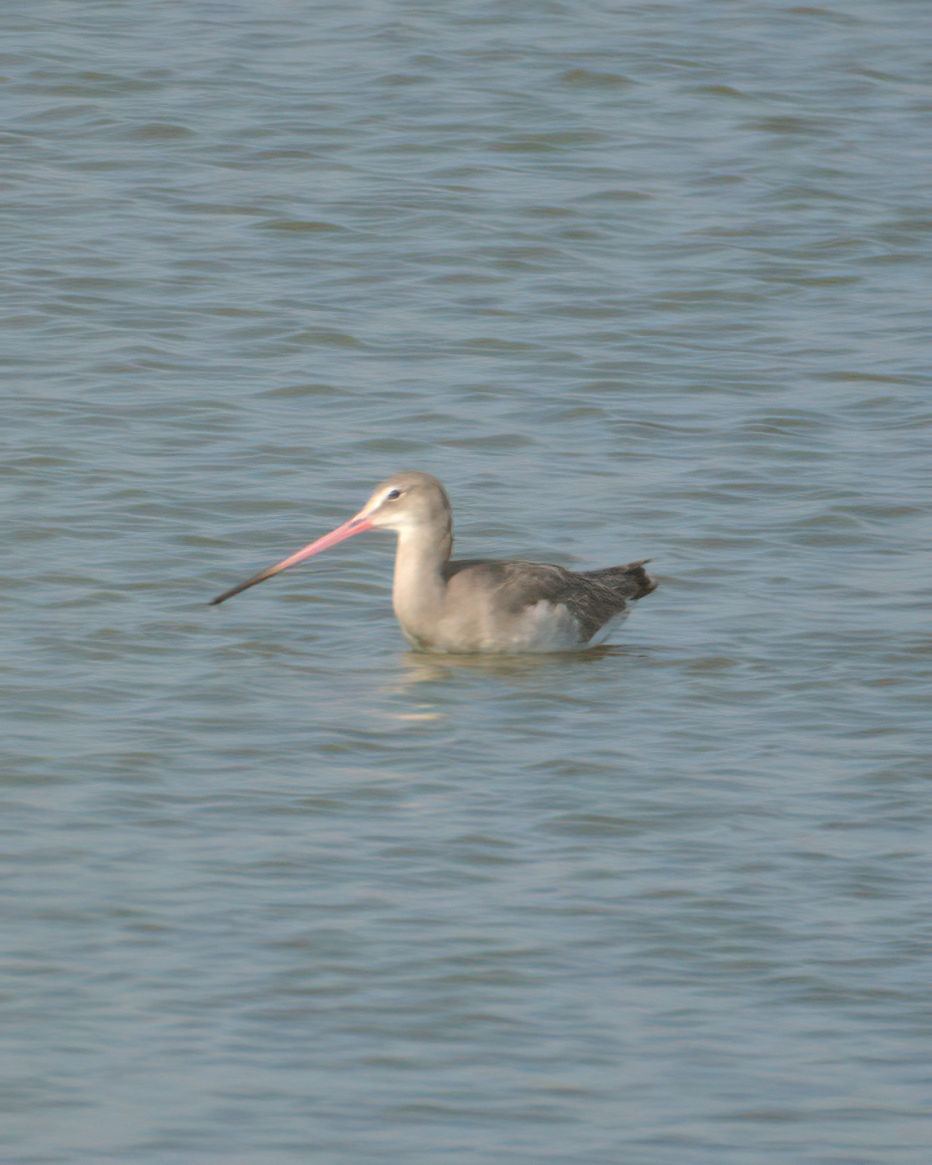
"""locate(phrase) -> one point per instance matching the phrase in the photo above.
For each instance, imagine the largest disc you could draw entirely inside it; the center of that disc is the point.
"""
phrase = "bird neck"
(420, 588)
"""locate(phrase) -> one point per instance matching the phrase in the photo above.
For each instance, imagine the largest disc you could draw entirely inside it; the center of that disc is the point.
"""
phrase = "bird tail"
(631, 581)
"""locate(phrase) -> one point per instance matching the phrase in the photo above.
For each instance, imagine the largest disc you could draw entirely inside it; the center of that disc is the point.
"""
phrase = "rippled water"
(634, 280)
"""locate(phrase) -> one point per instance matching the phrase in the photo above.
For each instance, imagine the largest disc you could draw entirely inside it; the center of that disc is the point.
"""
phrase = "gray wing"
(592, 598)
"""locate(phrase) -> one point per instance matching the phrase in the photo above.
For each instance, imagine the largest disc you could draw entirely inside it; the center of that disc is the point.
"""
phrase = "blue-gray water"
(634, 280)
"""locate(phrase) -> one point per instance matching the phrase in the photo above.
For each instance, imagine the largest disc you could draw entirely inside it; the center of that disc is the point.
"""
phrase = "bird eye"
(392, 495)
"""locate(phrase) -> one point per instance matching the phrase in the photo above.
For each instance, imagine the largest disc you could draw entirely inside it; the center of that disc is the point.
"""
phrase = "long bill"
(347, 530)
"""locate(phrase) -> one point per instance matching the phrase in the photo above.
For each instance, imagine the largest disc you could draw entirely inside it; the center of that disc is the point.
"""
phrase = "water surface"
(634, 281)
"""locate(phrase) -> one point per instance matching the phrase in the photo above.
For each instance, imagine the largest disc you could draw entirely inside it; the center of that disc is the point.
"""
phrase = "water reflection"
(420, 668)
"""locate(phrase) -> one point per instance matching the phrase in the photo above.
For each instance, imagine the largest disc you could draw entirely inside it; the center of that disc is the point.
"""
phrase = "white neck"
(419, 587)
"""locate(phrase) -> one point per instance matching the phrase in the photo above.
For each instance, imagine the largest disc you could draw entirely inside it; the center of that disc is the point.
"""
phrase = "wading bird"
(477, 605)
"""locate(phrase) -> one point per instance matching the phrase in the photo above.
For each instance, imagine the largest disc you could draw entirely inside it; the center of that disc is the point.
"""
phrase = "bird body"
(478, 605)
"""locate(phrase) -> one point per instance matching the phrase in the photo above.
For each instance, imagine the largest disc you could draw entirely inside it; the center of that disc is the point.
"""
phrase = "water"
(632, 280)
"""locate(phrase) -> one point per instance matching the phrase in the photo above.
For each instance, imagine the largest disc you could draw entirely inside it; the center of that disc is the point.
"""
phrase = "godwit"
(477, 605)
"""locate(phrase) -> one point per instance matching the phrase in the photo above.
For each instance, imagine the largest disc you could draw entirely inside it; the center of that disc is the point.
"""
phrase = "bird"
(476, 605)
